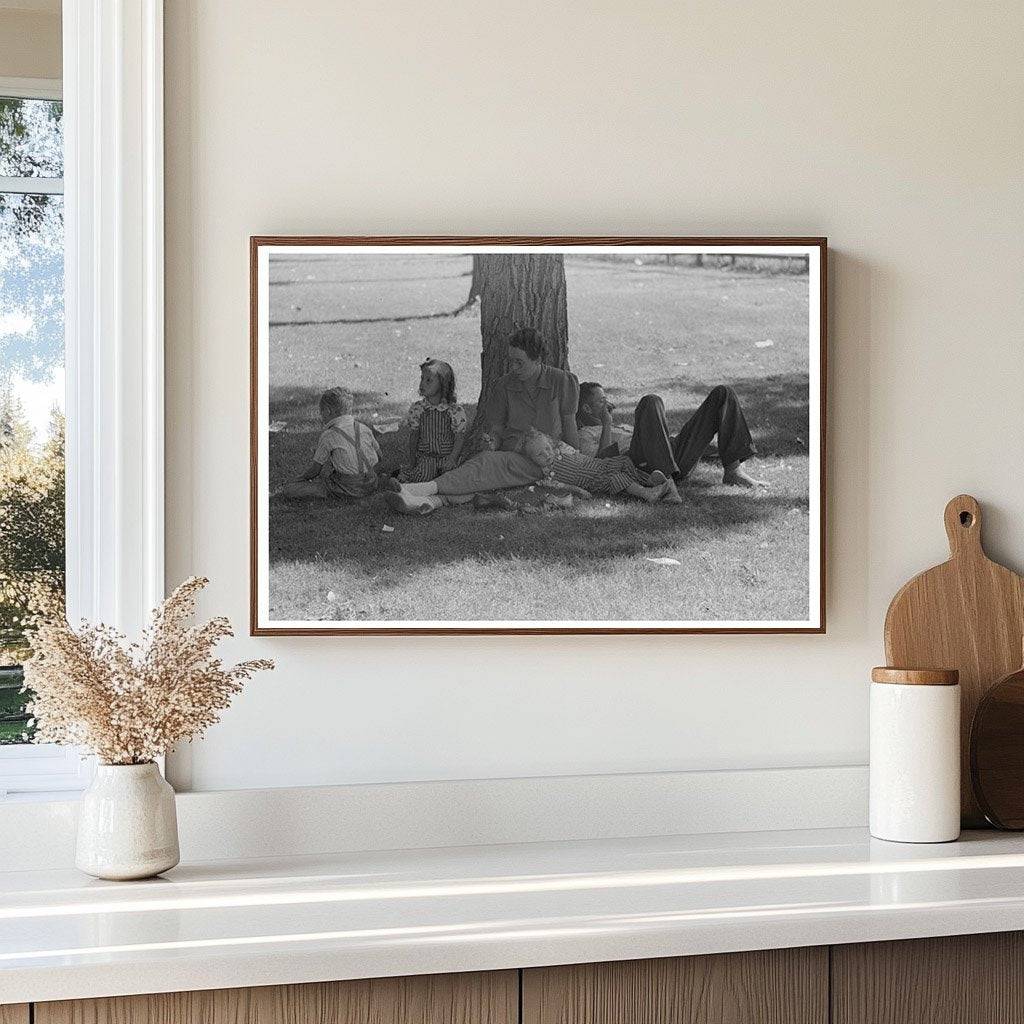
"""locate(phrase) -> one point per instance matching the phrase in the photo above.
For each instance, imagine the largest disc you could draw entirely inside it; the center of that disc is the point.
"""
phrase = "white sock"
(421, 490)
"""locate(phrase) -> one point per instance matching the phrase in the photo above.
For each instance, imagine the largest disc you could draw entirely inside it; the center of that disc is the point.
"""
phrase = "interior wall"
(30, 42)
(897, 130)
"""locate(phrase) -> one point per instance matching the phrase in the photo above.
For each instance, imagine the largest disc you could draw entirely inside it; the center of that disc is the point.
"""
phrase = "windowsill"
(304, 919)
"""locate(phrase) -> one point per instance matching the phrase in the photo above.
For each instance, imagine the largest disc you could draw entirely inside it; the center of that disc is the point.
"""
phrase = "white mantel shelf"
(275, 921)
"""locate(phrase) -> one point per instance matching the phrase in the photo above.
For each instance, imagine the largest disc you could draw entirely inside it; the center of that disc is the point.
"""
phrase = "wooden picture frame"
(705, 251)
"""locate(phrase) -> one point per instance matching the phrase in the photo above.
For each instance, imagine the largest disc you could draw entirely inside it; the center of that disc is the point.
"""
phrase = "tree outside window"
(31, 387)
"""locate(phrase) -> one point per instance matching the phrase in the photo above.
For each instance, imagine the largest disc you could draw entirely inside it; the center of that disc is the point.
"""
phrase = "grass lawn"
(676, 331)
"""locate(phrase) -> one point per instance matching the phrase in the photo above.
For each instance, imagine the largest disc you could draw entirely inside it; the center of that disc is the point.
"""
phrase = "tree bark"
(516, 290)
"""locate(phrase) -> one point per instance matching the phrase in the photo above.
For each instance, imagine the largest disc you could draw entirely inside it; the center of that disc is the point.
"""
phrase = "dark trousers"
(719, 413)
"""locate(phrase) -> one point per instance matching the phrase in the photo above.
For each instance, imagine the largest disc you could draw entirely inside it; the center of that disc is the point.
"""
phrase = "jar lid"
(916, 676)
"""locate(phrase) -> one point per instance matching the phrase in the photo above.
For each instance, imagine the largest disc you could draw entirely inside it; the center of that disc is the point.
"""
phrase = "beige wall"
(30, 43)
(895, 129)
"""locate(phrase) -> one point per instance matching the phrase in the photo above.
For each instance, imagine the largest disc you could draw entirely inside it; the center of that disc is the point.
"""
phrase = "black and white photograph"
(537, 435)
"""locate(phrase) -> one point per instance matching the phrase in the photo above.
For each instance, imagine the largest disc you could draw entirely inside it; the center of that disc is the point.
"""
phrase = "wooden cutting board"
(967, 614)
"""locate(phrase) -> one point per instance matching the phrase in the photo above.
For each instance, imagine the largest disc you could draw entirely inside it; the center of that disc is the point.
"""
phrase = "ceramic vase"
(127, 825)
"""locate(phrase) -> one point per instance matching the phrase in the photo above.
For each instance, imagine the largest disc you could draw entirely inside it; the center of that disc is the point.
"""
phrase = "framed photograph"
(537, 435)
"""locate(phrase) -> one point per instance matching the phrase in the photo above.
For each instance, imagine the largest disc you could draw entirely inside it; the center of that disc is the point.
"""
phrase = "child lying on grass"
(345, 457)
(559, 468)
(567, 467)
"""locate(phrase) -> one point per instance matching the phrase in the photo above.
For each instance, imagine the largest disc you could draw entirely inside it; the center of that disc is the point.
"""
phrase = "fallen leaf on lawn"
(664, 561)
(764, 344)
(277, 426)
(387, 529)
(331, 595)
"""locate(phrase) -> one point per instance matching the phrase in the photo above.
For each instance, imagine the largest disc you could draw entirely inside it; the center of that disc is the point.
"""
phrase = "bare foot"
(671, 495)
(736, 475)
(656, 493)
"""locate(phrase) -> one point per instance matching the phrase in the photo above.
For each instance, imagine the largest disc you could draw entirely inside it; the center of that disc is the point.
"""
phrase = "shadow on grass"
(595, 531)
(296, 283)
(776, 407)
(350, 535)
(298, 408)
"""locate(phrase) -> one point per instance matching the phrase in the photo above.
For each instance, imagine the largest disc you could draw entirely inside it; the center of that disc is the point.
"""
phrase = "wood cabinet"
(962, 979)
(483, 998)
(775, 986)
(970, 979)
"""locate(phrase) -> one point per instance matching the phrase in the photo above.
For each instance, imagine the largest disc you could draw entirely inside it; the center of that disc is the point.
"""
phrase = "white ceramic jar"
(127, 824)
(915, 755)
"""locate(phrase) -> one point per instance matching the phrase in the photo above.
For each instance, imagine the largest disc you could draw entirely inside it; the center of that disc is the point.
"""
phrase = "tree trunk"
(521, 290)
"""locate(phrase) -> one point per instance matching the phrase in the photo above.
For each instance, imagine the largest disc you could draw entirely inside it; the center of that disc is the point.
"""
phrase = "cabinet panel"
(778, 986)
(14, 1013)
(962, 979)
(481, 998)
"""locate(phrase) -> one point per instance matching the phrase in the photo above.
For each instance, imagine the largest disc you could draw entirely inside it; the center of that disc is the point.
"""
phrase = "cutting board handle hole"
(966, 519)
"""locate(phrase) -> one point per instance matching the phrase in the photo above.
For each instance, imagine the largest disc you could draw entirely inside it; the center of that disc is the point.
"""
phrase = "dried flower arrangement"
(129, 703)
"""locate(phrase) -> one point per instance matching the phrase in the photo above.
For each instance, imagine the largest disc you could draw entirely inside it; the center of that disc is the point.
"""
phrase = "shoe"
(407, 504)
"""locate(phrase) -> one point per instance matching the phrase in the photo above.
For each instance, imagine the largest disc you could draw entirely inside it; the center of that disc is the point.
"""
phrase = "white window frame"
(31, 89)
(114, 326)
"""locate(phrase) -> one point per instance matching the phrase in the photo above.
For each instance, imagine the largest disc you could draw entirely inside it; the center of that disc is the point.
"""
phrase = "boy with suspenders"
(346, 454)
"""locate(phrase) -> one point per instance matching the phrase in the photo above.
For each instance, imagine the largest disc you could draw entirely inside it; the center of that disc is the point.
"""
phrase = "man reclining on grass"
(649, 445)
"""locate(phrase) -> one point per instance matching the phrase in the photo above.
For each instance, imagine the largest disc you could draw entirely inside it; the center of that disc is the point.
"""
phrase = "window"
(32, 563)
(109, 208)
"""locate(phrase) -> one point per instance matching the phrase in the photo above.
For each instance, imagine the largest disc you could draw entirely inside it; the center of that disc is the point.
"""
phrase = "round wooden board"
(997, 752)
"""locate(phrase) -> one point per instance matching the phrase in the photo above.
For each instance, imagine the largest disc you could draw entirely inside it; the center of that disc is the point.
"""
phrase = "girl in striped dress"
(437, 424)
(565, 467)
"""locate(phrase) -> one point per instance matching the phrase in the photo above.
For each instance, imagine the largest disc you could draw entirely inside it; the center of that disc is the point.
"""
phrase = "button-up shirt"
(590, 438)
(350, 446)
(515, 406)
